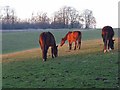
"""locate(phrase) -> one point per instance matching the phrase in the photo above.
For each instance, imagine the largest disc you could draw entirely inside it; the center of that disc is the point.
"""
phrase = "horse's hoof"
(44, 60)
(105, 51)
(108, 50)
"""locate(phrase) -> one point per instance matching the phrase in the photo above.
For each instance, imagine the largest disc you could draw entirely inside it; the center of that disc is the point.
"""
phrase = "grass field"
(85, 68)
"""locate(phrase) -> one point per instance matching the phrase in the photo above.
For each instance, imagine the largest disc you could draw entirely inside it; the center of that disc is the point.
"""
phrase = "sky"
(105, 11)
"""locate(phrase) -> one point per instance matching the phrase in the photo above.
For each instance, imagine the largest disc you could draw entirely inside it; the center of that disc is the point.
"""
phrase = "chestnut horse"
(72, 37)
(47, 40)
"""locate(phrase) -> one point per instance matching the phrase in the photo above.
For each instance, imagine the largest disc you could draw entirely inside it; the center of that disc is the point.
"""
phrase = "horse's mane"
(65, 38)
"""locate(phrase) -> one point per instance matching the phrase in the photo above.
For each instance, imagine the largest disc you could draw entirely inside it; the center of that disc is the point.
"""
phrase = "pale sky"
(105, 11)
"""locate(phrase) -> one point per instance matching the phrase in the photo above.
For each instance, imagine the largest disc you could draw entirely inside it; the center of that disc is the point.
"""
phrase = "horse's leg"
(70, 46)
(44, 51)
(43, 54)
(109, 48)
(79, 43)
(108, 45)
(75, 45)
(52, 52)
(105, 46)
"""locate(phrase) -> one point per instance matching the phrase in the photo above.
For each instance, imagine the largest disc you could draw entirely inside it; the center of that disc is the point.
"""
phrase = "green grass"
(85, 68)
(17, 41)
(92, 70)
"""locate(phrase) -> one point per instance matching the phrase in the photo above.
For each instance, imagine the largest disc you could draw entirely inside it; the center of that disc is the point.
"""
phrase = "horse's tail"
(42, 40)
(79, 39)
(79, 36)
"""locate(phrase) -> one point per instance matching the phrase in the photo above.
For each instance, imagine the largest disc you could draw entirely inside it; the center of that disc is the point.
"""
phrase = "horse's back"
(73, 35)
(108, 31)
(77, 34)
(46, 38)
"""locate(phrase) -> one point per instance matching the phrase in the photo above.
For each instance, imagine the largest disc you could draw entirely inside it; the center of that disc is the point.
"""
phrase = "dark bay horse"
(107, 35)
(72, 36)
(47, 40)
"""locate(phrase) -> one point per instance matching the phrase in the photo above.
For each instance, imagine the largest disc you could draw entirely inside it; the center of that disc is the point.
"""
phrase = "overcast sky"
(105, 11)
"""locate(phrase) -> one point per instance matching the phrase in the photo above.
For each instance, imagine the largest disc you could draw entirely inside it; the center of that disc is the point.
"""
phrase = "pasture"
(89, 67)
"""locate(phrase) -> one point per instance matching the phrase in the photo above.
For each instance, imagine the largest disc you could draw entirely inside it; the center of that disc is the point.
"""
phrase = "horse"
(107, 35)
(47, 40)
(72, 36)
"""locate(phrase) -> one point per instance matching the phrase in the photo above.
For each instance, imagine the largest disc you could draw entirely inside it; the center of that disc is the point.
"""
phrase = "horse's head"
(111, 43)
(56, 51)
(62, 41)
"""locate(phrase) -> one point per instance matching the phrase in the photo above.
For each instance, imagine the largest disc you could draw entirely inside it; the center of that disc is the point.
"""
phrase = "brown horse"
(72, 37)
(47, 40)
(107, 35)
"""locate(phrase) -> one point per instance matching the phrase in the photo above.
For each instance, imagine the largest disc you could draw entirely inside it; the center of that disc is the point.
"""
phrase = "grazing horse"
(72, 37)
(107, 35)
(47, 40)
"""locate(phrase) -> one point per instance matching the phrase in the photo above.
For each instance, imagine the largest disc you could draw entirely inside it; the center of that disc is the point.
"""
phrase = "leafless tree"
(89, 19)
(8, 15)
(67, 16)
(41, 17)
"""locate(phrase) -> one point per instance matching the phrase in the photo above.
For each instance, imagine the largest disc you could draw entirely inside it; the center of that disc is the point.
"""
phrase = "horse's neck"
(65, 38)
(69, 36)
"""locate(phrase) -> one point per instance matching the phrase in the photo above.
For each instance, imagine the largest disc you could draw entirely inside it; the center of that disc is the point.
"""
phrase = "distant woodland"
(65, 17)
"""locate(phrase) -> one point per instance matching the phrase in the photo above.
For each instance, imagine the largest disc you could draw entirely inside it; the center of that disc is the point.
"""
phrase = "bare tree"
(73, 16)
(67, 15)
(89, 19)
(8, 15)
(41, 17)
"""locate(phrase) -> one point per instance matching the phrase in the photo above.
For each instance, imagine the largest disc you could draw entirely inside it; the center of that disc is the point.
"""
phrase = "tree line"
(65, 17)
